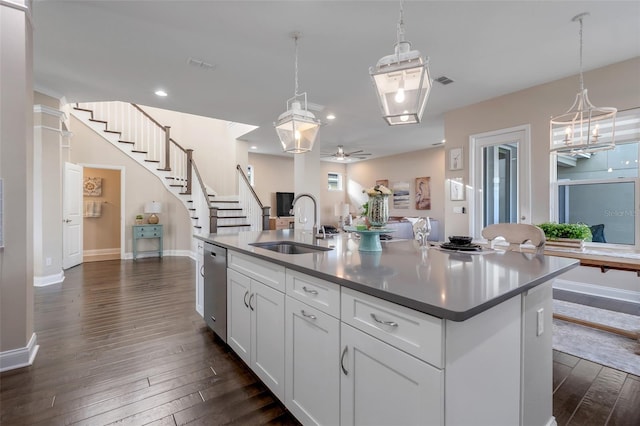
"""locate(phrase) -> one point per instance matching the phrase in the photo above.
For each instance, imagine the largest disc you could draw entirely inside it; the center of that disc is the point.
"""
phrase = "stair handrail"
(265, 211)
(246, 180)
(213, 211)
(158, 124)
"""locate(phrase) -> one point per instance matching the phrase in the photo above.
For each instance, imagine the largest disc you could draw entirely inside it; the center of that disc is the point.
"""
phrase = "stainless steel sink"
(290, 247)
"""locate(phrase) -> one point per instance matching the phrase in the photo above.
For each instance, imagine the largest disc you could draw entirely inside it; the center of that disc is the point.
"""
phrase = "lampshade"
(584, 128)
(297, 128)
(402, 81)
(153, 207)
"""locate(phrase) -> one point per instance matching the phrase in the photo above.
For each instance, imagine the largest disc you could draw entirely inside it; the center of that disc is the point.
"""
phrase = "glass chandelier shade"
(584, 128)
(402, 81)
(297, 127)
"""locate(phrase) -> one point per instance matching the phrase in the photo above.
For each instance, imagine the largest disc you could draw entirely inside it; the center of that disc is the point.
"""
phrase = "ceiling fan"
(341, 155)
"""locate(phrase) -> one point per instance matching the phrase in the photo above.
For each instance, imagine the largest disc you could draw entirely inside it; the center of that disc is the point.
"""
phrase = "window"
(335, 181)
(601, 189)
(250, 174)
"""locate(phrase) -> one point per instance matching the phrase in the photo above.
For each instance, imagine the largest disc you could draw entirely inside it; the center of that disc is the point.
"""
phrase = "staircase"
(142, 138)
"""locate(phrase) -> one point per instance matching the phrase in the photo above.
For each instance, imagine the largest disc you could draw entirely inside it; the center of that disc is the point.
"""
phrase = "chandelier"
(297, 128)
(402, 81)
(584, 128)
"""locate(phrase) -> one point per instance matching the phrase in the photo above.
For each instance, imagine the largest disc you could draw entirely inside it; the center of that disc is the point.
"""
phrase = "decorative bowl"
(460, 240)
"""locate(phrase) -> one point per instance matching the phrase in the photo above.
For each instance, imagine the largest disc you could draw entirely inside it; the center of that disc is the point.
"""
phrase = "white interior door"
(72, 216)
(500, 178)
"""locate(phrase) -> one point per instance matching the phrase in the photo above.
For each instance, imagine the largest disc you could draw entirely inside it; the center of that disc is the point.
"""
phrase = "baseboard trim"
(98, 255)
(43, 281)
(165, 253)
(597, 290)
(18, 358)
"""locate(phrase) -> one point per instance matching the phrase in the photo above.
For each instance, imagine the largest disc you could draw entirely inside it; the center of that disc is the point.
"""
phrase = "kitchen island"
(407, 335)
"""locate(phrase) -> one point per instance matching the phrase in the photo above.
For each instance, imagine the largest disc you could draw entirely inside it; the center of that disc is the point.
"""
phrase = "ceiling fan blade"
(353, 152)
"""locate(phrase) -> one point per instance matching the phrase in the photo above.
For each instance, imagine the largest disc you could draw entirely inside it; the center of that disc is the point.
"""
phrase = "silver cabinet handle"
(202, 270)
(389, 323)
(344, 353)
(245, 299)
(314, 292)
(250, 299)
(213, 318)
(304, 314)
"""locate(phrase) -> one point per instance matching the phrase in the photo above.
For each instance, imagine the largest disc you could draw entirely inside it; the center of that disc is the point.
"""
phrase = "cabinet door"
(312, 374)
(200, 279)
(238, 314)
(382, 385)
(267, 330)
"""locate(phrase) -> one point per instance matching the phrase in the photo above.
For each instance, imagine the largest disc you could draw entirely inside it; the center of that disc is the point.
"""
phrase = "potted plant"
(570, 235)
(139, 219)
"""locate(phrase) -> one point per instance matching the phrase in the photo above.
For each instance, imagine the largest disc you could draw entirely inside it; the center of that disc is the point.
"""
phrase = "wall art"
(423, 193)
(92, 187)
(401, 195)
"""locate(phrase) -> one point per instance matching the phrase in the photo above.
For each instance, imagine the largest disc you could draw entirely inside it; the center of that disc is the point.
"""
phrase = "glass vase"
(378, 213)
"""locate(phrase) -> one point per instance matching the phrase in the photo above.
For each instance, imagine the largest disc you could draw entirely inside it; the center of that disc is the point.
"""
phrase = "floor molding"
(22, 357)
(597, 290)
(45, 280)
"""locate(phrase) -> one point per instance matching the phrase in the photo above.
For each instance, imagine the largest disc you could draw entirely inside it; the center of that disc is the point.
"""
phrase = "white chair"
(515, 234)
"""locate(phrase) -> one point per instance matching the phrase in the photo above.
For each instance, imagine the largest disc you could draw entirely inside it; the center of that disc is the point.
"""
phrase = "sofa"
(403, 229)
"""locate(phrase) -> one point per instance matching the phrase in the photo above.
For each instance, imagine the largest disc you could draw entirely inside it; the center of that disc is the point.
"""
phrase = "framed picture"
(92, 187)
(456, 186)
(423, 193)
(384, 182)
(401, 195)
(455, 159)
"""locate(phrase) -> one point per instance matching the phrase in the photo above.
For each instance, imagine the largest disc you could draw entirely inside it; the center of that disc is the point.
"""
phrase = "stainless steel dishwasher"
(215, 289)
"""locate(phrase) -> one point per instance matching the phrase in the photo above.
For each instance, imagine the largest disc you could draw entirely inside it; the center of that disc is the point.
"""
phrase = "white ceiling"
(125, 50)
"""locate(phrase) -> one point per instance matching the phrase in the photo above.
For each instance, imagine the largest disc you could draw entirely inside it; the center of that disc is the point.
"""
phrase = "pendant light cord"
(400, 32)
(581, 78)
(295, 70)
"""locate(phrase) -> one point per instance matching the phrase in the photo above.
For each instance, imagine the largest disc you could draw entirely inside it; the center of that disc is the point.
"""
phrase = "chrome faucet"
(315, 210)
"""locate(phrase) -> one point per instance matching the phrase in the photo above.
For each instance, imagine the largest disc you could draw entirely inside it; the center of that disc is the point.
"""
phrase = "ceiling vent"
(444, 80)
(200, 64)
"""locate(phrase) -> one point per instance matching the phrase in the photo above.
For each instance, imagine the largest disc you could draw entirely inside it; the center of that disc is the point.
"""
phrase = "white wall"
(616, 85)
(401, 168)
(214, 149)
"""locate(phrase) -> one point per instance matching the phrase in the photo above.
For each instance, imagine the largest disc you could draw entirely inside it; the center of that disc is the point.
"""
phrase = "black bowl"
(460, 240)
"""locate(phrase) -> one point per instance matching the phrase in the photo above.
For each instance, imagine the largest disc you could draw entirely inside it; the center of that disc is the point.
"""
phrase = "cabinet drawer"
(148, 229)
(266, 272)
(418, 334)
(321, 294)
(147, 234)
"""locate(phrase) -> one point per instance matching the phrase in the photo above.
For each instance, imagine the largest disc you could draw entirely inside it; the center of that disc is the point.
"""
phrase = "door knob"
(67, 220)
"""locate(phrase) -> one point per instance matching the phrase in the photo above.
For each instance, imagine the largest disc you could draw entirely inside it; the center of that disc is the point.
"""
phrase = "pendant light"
(297, 128)
(402, 81)
(584, 128)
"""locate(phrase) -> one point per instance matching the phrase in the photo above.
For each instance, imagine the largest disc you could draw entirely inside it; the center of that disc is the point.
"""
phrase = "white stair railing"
(257, 214)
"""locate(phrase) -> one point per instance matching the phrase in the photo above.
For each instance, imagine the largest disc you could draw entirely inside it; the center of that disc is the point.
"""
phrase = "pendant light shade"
(402, 81)
(297, 127)
(584, 128)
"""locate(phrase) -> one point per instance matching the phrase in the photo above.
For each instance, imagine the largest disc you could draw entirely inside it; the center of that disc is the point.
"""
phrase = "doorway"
(500, 178)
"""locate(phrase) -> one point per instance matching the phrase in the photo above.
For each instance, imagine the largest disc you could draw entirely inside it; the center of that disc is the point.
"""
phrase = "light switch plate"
(540, 328)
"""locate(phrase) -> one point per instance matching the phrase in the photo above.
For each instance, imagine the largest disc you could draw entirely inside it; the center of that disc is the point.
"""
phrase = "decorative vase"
(378, 213)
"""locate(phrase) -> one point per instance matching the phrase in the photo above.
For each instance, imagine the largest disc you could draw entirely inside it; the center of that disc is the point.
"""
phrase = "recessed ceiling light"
(331, 117)
(161, 93)
(254, 147)
(444, 140)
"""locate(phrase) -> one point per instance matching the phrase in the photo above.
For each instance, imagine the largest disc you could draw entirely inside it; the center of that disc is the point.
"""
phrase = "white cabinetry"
(255, 320)
(386, 379)
(200, 277)
(312, 349)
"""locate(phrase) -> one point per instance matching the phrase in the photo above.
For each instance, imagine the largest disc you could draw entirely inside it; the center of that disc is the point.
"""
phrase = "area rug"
(605, 348)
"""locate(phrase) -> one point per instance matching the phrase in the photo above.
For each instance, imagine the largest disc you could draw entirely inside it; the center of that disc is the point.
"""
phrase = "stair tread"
(138, 151)
(231, 217)
(197, 226)
(152, 161)
(82, 109)
(129, 142)
(113, 131)
(233, 226)
(95, 120)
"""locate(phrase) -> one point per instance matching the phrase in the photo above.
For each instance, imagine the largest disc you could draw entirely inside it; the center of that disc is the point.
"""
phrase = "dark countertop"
(445, 284)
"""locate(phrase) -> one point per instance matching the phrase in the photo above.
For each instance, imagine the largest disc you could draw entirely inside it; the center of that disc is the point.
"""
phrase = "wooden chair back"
(515, 234)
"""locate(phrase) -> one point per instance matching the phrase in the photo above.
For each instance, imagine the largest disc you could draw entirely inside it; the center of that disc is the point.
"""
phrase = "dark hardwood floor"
(120, 342)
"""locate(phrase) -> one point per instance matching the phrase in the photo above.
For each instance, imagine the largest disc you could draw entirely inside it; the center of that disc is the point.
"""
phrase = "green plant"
(139, 217)
(578, 231)
(365, 208)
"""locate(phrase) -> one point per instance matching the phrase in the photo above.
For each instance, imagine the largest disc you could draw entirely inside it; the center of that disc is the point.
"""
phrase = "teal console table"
(147, 231)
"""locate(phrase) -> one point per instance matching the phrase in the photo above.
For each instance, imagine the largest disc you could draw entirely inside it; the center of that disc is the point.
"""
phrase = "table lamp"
(153, 207)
